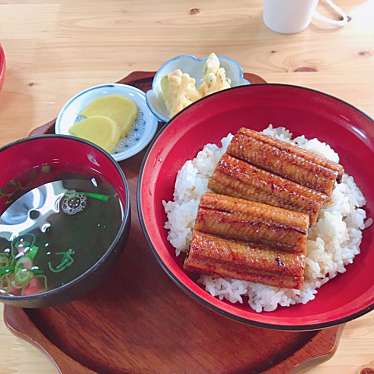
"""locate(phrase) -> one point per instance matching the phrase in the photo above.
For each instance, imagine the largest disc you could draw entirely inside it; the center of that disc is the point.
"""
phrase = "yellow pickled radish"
(121, 110)
(100, 130)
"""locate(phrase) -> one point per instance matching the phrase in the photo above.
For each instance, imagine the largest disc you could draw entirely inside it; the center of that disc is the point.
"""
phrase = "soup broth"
(55, 232)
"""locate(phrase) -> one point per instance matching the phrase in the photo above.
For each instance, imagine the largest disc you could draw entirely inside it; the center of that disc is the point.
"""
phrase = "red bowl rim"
(125, 221)
(2, 63)
(188, 291)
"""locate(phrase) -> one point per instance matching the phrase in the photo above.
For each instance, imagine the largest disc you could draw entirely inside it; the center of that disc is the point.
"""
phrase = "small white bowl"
(194, 66)
(138, 138)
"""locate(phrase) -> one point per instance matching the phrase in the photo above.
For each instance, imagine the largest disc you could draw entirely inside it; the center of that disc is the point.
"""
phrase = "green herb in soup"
(55, 232)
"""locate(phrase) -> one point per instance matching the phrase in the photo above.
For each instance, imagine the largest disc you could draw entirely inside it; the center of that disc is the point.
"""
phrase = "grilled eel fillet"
(238, 178)
(244, 220)
(234, 259)
(286, 160)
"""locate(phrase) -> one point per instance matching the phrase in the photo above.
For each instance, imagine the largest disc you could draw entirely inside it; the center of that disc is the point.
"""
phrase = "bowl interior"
(66, 154)
(304, 112)
(63, 155)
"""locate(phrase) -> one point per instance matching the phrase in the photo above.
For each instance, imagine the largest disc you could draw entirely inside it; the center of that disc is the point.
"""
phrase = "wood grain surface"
(55, 48)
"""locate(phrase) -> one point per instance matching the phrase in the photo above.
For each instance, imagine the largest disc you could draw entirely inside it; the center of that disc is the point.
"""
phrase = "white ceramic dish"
(141, 134)
(195, 68)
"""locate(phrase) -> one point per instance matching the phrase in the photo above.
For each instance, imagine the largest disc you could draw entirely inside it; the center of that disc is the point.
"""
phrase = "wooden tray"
(139, 321)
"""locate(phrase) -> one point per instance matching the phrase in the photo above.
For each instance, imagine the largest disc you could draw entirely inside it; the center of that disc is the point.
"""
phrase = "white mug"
(291, 16)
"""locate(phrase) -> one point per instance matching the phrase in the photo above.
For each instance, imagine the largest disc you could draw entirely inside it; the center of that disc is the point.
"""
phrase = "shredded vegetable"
(66, 261)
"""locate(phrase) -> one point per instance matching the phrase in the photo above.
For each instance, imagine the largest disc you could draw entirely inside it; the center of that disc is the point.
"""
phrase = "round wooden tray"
(139, 321)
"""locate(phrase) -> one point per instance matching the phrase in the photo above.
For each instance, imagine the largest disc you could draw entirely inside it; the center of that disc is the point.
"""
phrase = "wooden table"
(55, 48)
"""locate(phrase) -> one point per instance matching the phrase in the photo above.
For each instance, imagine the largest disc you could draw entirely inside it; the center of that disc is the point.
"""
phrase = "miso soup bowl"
(67, 155)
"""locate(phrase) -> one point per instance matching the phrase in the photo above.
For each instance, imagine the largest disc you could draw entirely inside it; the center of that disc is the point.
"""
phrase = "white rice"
(332, 243)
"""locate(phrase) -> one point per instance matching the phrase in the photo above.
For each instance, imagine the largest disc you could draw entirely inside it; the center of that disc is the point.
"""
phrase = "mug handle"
(329, 21)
